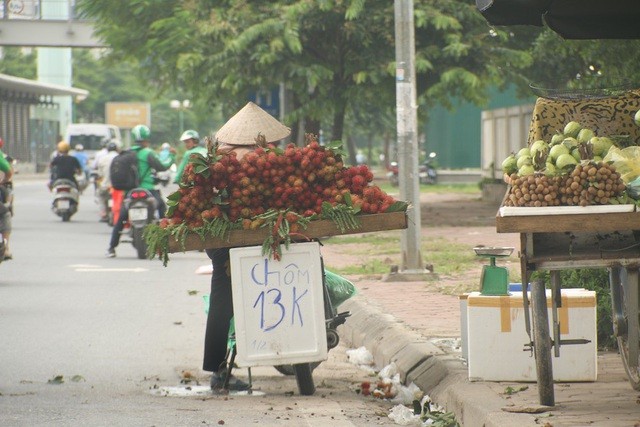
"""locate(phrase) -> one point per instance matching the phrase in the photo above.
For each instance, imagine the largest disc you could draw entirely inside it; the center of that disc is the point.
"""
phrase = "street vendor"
(249, 128)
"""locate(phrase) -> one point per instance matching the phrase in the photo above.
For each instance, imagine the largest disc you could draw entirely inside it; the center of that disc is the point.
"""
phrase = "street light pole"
(180, 106)
(406, 117)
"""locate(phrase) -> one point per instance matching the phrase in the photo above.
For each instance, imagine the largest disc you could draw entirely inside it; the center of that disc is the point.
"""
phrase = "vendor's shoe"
(8, 255)
(111, 253)
(235, 384)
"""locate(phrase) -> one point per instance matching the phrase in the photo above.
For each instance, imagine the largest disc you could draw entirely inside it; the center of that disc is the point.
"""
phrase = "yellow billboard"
(126, 115)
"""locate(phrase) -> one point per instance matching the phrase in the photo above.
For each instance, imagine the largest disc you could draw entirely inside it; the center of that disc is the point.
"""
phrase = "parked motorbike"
(427, 173)
(65, 198)
(141, 206)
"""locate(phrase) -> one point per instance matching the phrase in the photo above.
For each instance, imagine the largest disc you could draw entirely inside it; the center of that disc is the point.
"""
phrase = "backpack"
(123, 171)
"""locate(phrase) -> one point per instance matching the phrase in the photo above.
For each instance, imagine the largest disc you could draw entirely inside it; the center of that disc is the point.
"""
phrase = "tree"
(334, 56)
(18, 62)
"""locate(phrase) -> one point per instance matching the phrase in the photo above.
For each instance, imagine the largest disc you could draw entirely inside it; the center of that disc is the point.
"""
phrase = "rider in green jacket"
(191, 141)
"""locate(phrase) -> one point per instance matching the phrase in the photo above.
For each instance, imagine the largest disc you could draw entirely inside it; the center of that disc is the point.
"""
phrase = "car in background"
(92, 136)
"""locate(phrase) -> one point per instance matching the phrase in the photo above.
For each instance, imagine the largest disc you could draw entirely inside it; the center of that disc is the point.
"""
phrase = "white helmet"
(190, 134)
(165, 146)
(79, 147)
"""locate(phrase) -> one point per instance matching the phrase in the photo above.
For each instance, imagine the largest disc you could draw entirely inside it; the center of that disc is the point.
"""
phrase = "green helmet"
(140, 133)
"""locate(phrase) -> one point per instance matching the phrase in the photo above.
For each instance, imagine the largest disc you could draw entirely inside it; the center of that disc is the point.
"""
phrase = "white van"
(91, 136)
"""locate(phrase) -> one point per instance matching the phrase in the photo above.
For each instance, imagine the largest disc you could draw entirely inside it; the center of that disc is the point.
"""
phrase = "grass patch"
(376, 253)
(436, 189)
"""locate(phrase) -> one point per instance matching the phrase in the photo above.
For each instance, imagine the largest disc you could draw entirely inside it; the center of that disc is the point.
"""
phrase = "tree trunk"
(337, 132)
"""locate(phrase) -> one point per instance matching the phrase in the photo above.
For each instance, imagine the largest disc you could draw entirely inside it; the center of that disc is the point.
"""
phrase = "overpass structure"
(34, 113)
(45, 23)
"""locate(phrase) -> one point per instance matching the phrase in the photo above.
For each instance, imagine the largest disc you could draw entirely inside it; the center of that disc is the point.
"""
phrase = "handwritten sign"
(278, 306)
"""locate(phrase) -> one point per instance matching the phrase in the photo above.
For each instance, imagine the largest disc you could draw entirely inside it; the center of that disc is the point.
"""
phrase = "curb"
(441, 375)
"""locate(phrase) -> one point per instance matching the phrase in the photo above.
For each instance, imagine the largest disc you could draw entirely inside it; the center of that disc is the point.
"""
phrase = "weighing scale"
(494, 280)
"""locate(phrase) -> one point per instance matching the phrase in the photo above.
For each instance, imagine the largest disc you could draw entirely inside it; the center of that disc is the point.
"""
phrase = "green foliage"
(337, 58)
(19, 63)
(594, 280)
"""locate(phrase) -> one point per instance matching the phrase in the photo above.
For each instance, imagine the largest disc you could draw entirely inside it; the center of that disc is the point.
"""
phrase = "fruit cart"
(582, 237)
(592, 235)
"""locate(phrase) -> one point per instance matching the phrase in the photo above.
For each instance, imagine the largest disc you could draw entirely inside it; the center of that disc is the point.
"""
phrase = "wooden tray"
(315, 229)
(568, 223)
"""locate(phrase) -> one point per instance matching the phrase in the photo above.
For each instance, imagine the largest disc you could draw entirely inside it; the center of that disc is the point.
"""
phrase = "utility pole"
(406, 116)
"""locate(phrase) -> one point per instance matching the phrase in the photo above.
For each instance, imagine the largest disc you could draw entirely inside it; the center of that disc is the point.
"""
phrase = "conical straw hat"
(250, 122)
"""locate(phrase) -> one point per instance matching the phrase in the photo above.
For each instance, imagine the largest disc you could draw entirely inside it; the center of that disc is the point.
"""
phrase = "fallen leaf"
(528, 409)
(192, 292)
(77, 378)
(58, 379)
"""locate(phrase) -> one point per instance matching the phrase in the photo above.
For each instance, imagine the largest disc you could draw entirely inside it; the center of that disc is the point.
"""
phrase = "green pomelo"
(524, 160)
(557, 150)
(509, 165)
(601, 145)
(572, 129)
(523, 152)
(526, 170)
(538, 145)
(557, 139)
(570, 142)
(565, 161)
(585, 135)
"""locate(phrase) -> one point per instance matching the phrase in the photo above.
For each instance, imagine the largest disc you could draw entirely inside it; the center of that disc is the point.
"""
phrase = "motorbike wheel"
(66, 216)
(288, 369)
(304, 378)
(139, 243)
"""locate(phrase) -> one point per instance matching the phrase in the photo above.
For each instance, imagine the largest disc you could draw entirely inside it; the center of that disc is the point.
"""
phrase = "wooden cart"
(575, 237)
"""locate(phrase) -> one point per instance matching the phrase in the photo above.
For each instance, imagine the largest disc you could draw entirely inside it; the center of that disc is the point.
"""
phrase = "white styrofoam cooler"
(496, 338)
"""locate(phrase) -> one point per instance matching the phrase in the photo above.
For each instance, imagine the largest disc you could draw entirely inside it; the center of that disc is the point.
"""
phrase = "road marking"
(100, 270)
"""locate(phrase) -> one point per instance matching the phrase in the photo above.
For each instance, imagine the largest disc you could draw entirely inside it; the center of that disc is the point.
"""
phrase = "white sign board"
(278, 306)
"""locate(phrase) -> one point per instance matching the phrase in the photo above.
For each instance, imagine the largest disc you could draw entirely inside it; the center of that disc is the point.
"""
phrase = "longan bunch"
(536, 190)
(591, 184)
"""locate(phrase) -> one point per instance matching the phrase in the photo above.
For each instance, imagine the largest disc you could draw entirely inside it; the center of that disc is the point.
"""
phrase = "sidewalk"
(408, 322)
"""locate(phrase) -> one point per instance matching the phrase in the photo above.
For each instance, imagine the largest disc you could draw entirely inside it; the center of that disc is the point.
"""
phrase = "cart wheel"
(333, 339)
(625, 300)
(304, 378)
(542, 343)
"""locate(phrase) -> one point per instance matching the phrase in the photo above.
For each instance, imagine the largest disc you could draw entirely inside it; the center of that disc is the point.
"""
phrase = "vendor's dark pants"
(220, 311)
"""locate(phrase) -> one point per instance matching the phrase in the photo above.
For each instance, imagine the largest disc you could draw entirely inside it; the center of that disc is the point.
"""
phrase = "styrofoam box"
(496, 338)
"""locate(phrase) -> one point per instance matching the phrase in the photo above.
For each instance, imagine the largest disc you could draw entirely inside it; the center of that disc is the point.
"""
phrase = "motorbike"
(427, 173)
(66, 198)
(165, 178)
(82, 181)
(141, 206)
